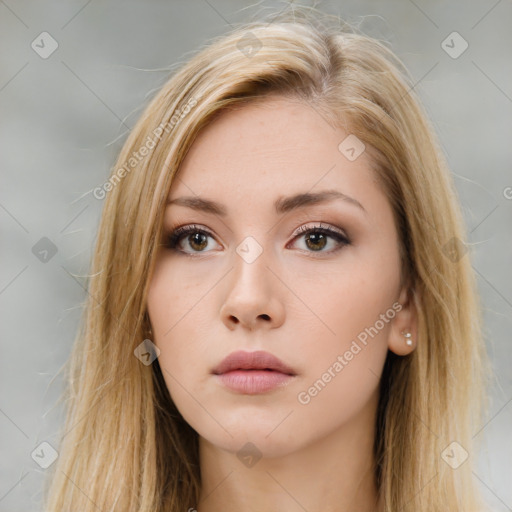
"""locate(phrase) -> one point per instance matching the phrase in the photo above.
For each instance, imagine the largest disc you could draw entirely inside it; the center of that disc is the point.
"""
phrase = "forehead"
(261, 132)
(264, 150)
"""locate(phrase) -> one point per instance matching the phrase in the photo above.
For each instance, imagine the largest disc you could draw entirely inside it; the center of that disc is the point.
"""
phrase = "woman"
(282, 315)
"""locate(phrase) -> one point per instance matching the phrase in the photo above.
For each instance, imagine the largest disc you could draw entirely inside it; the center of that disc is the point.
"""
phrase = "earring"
(408, 340)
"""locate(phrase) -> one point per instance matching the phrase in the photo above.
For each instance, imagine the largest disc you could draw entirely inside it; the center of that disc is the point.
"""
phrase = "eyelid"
(304, 228)
(319, 225)
(181, 230)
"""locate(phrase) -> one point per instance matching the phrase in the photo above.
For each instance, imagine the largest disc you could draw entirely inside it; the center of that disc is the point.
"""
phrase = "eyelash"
(174, 237)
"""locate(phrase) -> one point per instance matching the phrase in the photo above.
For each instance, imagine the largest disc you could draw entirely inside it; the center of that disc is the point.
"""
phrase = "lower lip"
(252, 382)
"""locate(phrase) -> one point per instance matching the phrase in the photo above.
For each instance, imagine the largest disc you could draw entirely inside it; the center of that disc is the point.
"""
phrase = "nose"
(254, 299)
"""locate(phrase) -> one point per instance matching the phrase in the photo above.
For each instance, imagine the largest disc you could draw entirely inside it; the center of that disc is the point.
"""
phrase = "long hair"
(124, 444)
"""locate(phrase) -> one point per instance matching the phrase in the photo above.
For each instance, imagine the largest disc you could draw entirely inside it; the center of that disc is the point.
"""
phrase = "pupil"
(198, 236)
(315, 236)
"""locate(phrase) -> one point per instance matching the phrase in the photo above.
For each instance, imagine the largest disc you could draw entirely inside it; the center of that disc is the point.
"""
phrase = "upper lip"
(259, 360)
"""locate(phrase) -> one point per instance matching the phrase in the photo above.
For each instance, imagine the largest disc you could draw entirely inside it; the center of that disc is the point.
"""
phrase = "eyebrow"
(282, 205)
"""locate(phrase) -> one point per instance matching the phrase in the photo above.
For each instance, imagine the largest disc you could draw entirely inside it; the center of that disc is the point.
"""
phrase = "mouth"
(253, 370)
(254, 381)
(258, 361)
(252, 373)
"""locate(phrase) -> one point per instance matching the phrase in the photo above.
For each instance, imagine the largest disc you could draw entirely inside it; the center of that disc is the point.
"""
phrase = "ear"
(404, 321)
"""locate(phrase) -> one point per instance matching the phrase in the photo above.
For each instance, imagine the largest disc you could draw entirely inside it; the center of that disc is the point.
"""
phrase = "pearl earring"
(408, 339)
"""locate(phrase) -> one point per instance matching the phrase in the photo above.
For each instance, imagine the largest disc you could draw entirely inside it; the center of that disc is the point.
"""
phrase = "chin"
(259, 446)
(253, 439)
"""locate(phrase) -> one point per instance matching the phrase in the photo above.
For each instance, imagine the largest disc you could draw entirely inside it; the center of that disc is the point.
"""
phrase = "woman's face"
(259, 272)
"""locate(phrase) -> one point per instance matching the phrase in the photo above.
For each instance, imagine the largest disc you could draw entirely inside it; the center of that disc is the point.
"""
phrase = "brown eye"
(196, 238)
(198, 241)
(316, 241)
(317, 238)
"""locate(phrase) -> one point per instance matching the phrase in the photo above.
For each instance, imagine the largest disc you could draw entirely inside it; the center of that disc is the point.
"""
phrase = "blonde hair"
(125, 445)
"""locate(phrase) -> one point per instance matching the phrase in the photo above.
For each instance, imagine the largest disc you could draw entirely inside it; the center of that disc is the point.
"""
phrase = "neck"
(333, 473)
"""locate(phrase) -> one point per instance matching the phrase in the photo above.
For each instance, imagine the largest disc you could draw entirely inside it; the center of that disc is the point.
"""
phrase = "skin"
(304, 306)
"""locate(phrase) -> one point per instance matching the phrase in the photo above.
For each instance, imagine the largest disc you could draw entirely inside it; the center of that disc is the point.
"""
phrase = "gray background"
(64, 118)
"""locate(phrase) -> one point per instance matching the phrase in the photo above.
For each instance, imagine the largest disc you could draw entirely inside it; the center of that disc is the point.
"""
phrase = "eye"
(196, 237)
(317, 238)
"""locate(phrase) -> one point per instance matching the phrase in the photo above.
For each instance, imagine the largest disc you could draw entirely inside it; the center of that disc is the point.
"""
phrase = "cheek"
(173, 298)
(343, 369)
(354, 309)
(174, 305)
(160, 297)
(337, 397)
(165, 310)
(348, 297)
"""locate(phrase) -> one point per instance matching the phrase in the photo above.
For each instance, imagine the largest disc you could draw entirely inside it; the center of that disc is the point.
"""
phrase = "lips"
(259, 360)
